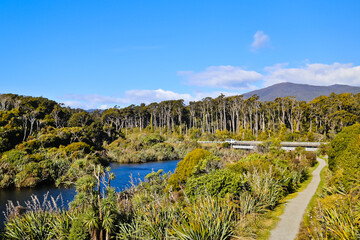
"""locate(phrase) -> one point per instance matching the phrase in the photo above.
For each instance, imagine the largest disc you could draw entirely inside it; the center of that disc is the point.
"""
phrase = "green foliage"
(266, 189)
(344, 155)
(215, 200)
(184, 147)
(14, 157)
(336, 217)
(195, 133)
(33, 225)
(225, 145)
(222, 135)
(141, 148)
(77, 230)
(49, 140)
(9, 137)
(152, 139)
(245, 165)
(185, 167)
(77, 146)
(217, 183)
(209, 164)
(154, 220)
(29, 146)
(164, 151)
(80, 119)
(324, 149)
(207, 218)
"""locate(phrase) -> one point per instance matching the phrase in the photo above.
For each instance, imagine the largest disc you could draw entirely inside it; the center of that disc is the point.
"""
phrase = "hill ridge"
(302, 92)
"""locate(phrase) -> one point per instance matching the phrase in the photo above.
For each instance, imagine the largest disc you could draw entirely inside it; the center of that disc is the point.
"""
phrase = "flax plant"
(207, 218)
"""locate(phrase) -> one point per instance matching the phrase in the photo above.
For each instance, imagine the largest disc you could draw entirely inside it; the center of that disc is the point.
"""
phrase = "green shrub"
(14, 157)
(324, 149)
(6, 180)
(185, 167)
(309, 158)
(78, 231)
(77, 146)
(33, 225)
(217, 183)
(249, 166)
(206, 218)
(345, 155)
(49, 140)
(225, 145)
(265, 189)
(209, 164)
(183, 148)
(152, 139)
(165, 151)
(29, 177)
(336, 217)
(29, 146)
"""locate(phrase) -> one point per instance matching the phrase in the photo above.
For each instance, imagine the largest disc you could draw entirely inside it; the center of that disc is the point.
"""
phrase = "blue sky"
(97, 54)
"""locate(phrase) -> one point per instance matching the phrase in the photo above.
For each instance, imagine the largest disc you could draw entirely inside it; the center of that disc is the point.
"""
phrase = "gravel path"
(290, 220)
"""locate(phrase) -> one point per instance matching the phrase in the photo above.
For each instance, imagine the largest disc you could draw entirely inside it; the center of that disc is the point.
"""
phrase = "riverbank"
(124, 175)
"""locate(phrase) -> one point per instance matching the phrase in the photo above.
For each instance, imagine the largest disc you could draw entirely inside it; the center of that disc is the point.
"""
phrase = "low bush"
(185, 167)
(345, 155)
(49, 140)
(218, 183)
(29, 146)
(77, 146)
(151, 140)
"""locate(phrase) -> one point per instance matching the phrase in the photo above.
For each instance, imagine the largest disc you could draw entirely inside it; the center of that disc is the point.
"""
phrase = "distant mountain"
(302, 92)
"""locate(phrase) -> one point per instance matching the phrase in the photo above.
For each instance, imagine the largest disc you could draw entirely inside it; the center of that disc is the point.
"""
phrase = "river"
(122, 181)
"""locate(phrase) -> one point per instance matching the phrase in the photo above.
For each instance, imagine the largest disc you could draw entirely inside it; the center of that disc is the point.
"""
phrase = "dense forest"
(25, 117)
(43, 141)
(214, 193)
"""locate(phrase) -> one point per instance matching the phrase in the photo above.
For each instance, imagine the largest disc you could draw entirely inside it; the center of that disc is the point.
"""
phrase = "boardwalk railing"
(309, 146)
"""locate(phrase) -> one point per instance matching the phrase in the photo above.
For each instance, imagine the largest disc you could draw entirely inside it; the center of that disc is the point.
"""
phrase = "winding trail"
(290, 220)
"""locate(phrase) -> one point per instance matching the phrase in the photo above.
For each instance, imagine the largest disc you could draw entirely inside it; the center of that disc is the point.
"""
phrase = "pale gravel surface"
(288, 226)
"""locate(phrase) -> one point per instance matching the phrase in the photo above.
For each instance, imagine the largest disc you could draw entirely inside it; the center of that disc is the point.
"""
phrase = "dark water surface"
(121, 182)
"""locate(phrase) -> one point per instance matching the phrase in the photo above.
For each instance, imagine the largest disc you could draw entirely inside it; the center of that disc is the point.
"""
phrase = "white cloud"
(314, 74)
(148, 96)
(260, 40)
(227, 77)
(135, 96)
(91, 101)
(232, 77)
(201, 95)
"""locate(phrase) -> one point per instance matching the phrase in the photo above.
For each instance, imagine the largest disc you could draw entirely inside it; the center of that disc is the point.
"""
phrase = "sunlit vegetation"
(144, 147)
(42, 141)
(207, 197)
(336, 212)
(215, 192)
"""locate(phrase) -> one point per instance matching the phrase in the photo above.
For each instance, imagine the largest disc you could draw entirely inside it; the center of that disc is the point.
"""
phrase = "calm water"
(121, 182)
